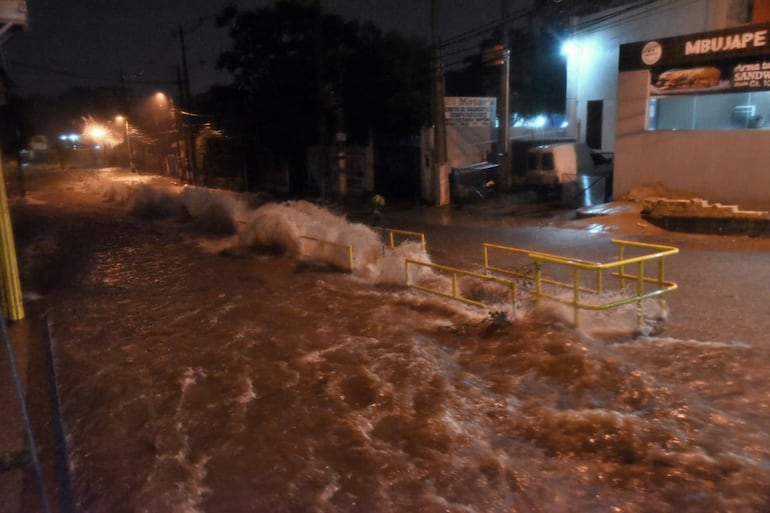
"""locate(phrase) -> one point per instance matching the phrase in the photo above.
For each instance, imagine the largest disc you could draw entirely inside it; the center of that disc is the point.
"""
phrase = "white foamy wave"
(389, 269)
(303, 230)
(311, 233)
(112, 186)
(185, 497)
(620, 322)
(175, 463)
(316, 236)
(245, 392)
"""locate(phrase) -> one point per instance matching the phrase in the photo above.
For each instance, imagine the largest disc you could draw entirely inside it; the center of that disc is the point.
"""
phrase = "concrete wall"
(592, 67)
(468, 145)
(720, 166)
(723, 167)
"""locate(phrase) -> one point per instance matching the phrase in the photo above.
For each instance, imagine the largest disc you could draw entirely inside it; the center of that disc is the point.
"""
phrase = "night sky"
(89, 42)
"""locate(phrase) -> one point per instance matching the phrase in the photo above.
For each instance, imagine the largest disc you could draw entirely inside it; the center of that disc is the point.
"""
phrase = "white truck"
(552, 164)
(572, 168)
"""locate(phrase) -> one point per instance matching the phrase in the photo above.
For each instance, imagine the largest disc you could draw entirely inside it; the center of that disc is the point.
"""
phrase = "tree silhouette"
(301, 76)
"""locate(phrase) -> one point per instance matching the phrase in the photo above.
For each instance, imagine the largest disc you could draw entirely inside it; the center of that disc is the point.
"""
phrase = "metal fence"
(581, 283)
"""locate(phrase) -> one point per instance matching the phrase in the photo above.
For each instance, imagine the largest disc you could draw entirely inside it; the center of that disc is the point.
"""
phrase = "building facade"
(676, 89)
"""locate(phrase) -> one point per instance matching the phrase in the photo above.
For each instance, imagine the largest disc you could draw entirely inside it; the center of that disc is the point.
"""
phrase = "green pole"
(11, 290)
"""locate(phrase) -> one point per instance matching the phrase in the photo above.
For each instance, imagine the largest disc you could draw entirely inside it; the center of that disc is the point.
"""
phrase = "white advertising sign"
(469, 111)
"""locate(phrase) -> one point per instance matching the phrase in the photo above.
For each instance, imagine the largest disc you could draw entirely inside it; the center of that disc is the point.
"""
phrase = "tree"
(301, 75)
(387, 84)
(15, 130)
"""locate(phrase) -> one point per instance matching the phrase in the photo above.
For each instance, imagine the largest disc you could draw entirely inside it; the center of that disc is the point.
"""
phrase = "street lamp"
(186, 158)
(96, 133)
(128, 141)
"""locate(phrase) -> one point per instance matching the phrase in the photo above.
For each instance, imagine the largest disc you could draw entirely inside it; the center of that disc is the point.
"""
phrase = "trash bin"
(583, 191)
(474, 182)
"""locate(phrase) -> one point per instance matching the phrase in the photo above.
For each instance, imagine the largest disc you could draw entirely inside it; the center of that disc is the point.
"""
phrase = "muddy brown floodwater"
(204, 370)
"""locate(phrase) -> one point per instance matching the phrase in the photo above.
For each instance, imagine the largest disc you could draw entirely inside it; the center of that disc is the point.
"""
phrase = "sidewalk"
(20, 490)
(14, 456)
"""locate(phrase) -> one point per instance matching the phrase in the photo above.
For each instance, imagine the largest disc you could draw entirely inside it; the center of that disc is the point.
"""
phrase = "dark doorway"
(397, 165)
(594, 124)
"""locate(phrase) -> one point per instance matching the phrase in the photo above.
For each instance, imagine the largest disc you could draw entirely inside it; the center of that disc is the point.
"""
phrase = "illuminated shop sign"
(733, 60)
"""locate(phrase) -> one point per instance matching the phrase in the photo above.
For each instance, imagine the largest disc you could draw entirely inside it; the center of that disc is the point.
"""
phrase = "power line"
(48, 70)
(606, 20)
(626, 14)
(484, 29)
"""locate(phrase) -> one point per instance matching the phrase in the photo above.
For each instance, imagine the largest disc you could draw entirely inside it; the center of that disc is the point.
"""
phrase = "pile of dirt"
(656, 190)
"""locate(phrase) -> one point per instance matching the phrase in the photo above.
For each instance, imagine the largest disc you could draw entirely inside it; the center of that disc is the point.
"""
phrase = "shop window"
(727, 111)
(540, 160)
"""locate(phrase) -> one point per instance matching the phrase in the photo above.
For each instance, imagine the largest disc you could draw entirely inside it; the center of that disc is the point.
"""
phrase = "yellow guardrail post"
(621, 248)
(661, 282)
(392, 237)
(600, 281)
(406, 272)
(576, 295)
(660, 272)
(538, 281)
(13, 300)
(639, 292)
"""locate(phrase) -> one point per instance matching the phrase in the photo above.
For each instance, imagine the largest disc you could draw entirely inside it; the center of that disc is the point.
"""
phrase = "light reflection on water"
(247, 380)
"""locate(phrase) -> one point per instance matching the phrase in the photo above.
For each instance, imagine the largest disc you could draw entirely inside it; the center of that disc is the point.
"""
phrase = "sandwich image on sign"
(694, 78)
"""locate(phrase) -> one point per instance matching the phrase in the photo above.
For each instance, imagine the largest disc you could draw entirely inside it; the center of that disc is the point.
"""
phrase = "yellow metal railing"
(392, 232)
(645, 286)
(347, 248)
(456, 274)
(571, 281)
(12, 298)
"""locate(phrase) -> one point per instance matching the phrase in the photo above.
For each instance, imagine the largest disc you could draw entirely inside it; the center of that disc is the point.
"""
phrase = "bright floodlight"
(96, 132)
(569, 48)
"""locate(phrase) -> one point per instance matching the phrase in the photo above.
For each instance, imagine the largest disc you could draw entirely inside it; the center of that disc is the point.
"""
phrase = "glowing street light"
(569, 48)
(184, 159)
(161, 98)
(124, 119)
(96, 132)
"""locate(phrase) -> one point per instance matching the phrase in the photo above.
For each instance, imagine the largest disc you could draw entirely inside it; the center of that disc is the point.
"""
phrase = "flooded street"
(211, 359)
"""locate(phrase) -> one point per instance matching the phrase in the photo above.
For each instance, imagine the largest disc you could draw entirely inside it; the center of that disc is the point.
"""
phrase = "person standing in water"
(378, 202)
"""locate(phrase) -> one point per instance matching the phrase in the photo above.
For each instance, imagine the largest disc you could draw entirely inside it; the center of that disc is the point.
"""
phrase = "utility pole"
(178, 128)
(127, 115)
(186, 103)
(10, 283)
(322, 162)
(504, 108)
(439, 131)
